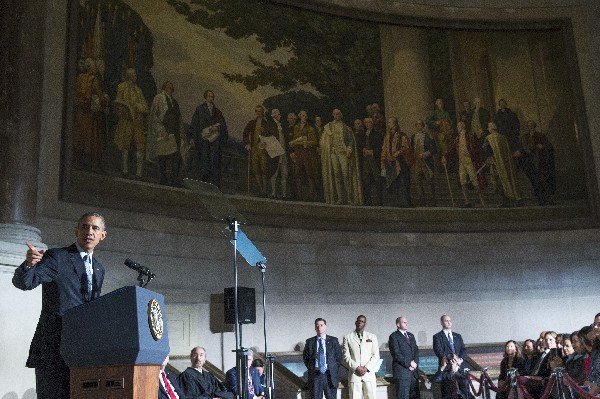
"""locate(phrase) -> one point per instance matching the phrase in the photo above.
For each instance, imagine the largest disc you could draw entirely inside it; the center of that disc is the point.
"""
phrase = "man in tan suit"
(360, 355)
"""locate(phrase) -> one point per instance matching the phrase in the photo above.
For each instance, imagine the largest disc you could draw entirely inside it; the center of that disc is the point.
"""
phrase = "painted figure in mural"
(91, 104)
(396, 159)
(378, 119)
(130, 106)
(424, 150)
(440, 124)
(304, 153)
(282, 170)
(261, 165)
(318, 126)
(479, 121)
(538, 163)
(508, 124)
(466, 113)
(292, 119)
(498, 155)
(369, 143)
(341, 177)
(209, 132)
(319, 167)
(466, 148)
(164, 135)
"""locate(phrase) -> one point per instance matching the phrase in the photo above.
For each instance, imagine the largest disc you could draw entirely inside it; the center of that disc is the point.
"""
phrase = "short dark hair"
(318, 319)
(258, 363)
(208, 91)
(92, 214)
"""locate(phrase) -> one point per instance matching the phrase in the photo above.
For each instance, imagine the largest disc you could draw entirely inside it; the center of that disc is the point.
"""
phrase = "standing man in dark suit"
(322, 356)
(405, 355)
(448, 344)
(69, 277)
(209, 132)
(168, 387)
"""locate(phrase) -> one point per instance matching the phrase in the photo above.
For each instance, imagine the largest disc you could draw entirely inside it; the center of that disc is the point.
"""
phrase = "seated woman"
(512, 359)
(530, 356)
(593, 376)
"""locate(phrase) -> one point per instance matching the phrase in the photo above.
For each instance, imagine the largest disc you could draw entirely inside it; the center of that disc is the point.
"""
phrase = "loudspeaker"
(246, 305)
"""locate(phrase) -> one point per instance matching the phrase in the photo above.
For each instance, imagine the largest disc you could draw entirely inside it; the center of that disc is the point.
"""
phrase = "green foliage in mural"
(339, 57)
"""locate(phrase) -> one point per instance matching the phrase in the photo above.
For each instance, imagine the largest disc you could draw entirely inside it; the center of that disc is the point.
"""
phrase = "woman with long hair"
(512, 359)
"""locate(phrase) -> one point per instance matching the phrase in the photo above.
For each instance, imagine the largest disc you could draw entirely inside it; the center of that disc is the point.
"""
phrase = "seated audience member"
(512, 359)
(259, 365)
(573, 357)
(529, 357)
(593, 375)
(168, 387)
(451, 371)
(197, 383)
(253, 388)
(542, 369)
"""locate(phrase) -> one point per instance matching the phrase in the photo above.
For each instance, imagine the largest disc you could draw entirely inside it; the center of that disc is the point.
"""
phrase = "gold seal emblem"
(155, 319)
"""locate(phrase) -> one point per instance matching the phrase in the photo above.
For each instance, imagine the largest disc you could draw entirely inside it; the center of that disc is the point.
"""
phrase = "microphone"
(139, 268)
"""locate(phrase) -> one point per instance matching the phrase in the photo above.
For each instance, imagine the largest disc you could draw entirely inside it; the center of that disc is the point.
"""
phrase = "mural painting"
(287, 104)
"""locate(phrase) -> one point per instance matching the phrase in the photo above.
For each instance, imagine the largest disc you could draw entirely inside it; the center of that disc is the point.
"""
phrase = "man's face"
(250, 359)
(368, 124)
(169, 89)
(317, 121)
(276, 116)
(210, 96)
(419, 125)
(337, 115)
(439, 103)
(198, 357)
(259, 111)
(303, 117)
(320, 327)
(446, 322)
(528, 348)
(402, 324)
(291, 118)
(549, 341)
(360, 323)
(89, 232)
(466, 105)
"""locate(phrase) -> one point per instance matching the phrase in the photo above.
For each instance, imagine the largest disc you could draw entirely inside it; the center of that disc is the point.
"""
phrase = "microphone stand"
(269, 360)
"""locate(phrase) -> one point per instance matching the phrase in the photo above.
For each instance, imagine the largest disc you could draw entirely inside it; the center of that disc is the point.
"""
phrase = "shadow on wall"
(29, 394)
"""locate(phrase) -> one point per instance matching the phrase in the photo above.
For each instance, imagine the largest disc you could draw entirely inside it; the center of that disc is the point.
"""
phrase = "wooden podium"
(115, 345)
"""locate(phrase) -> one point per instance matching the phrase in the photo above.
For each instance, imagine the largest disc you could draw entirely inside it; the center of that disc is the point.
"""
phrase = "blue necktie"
(451, 342)
(322, 362)
(87, 260)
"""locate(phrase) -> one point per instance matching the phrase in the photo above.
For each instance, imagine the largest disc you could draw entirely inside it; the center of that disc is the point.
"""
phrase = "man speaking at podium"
(69, 277)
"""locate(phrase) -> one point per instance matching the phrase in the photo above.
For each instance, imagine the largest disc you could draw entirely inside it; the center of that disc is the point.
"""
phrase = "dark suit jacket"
(231, 381)
(203, 119)
(333, 353)
(61, 272)
(402, 354)
(162, 393)
(441, 345)
(375, 144)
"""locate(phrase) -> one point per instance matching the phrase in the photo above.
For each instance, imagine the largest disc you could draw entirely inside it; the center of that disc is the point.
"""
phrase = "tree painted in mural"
(339, 57)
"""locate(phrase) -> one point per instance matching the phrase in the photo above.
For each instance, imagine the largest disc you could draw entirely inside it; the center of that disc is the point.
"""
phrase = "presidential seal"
(155, 319)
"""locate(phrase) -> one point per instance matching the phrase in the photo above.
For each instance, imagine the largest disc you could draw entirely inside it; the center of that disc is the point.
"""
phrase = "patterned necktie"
(451, 342)
(322, 362)
(87, 260)
(250, 386)
(168, 385)
(407, 339)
